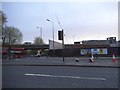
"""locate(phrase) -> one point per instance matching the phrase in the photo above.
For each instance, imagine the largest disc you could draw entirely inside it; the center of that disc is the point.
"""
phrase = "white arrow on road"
(77, 77)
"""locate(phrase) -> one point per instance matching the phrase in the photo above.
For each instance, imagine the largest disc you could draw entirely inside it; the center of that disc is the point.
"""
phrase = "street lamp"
(40, 33)
(53, 35)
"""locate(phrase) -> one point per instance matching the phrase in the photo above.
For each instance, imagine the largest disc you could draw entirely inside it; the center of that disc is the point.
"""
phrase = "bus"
(17, 52)
(14, 52)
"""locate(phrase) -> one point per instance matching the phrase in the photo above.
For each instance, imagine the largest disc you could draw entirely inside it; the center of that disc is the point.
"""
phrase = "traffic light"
(60, 35)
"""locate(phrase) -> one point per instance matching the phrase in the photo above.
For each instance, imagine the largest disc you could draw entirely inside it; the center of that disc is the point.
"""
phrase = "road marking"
(48, 75)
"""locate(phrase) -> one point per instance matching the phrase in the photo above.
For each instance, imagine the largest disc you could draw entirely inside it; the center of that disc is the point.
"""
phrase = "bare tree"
(38, 41)
(12, 35)
(3, 18)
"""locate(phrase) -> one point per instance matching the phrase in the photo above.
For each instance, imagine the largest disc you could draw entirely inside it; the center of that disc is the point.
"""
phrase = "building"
(109, 41)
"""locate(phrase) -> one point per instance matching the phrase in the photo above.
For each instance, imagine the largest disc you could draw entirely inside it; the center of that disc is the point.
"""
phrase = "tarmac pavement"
(58, 61)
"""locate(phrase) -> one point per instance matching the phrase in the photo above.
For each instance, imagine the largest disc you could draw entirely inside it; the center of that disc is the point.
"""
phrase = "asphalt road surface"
(59, 77)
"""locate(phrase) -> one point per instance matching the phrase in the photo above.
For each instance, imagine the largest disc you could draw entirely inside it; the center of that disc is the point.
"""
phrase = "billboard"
(85, 51)
(103, 51)
(94, 51)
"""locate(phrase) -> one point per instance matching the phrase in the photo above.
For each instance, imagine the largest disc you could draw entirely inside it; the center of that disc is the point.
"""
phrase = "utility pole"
(53, 36)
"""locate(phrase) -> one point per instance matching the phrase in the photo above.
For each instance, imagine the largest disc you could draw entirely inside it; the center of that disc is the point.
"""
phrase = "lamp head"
(48, 20)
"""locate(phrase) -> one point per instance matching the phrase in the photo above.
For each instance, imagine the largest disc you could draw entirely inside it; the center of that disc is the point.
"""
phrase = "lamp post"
(53, 35)
(40, 33)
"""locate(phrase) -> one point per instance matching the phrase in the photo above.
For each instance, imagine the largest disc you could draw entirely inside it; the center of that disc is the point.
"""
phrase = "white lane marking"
(47, 75)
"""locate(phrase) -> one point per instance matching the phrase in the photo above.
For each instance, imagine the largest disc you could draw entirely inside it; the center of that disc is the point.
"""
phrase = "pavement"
(58, 61)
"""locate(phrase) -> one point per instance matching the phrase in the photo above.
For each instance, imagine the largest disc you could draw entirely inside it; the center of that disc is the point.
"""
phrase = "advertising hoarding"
(94, 51)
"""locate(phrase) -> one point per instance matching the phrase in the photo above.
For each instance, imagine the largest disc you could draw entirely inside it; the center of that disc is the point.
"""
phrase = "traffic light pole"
(61, 37)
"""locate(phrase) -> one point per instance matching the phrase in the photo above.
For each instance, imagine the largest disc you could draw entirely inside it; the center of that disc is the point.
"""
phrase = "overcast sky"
(80, 20)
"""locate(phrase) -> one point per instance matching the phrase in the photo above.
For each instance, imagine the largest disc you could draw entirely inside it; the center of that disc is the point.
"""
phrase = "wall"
(75, 52)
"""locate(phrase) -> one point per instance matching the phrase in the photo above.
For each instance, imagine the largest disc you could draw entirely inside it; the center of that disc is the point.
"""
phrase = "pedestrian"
(91, 58)
(76, 59)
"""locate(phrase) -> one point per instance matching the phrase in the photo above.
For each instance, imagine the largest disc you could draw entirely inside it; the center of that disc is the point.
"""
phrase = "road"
(59, 77)
(101, 61)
